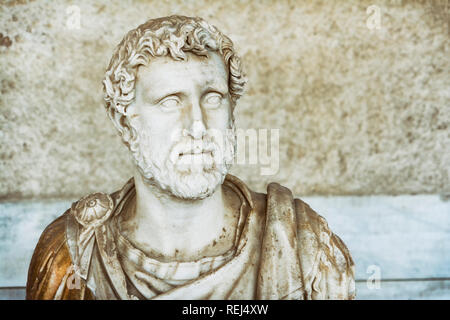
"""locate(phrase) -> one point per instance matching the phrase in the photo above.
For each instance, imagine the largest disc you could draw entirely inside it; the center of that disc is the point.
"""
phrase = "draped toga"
(282, 250)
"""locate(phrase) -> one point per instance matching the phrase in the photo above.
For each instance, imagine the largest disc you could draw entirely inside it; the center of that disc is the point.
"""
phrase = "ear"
(122, 124)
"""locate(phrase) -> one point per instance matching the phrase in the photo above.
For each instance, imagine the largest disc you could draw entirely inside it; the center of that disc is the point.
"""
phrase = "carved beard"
(186, 177)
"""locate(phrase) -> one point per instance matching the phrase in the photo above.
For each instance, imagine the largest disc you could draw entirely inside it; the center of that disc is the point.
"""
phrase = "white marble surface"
(407, 237)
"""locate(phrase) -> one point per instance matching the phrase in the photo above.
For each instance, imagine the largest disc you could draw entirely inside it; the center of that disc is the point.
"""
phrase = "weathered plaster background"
(359, 111)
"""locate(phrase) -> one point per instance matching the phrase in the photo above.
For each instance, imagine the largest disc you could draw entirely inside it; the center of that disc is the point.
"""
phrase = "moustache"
(193, 149)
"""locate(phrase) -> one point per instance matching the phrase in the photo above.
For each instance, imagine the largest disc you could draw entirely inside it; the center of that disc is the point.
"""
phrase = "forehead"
(166, 73)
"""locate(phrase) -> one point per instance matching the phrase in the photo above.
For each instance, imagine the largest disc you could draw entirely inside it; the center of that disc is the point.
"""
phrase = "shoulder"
(330, 272)
(50, 261)
(326, 263)
(310, 220)
(51, 264)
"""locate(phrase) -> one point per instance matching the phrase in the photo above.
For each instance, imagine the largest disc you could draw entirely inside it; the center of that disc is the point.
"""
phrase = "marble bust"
(182, 227)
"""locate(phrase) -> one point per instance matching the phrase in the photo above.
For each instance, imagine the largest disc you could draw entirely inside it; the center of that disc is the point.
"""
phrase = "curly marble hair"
(172, 36)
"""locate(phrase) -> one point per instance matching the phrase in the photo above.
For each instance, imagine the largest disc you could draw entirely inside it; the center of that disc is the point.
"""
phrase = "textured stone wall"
(360, 111)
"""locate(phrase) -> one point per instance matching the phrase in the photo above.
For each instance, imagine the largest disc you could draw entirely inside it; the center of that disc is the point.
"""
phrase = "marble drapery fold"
(283, 250)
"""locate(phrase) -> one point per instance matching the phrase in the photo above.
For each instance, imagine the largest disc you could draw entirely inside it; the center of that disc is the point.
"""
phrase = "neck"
(170, 228)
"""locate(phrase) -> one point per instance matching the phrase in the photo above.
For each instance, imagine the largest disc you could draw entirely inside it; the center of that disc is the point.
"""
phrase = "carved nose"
(197, 130)
(197, 127)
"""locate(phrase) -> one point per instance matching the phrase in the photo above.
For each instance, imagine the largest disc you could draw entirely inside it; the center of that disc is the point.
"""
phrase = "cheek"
(158, 124)
(220, 118)
(161, 132)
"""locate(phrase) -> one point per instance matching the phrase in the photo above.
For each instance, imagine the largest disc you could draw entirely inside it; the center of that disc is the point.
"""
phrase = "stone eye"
(170, 103)
(213, 99)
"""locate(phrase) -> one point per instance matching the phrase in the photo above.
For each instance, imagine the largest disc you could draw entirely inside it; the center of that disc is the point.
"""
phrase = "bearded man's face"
(182, 115)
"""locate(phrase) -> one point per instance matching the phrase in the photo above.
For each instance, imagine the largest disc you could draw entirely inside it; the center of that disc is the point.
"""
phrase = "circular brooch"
(93, 209)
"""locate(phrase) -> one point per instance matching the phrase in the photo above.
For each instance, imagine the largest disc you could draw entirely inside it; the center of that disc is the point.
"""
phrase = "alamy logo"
(74, 280)
(374, 19)
(74, 18)
(374, 280)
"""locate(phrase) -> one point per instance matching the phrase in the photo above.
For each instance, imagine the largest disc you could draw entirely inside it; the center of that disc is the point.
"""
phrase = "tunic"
(282, 250)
